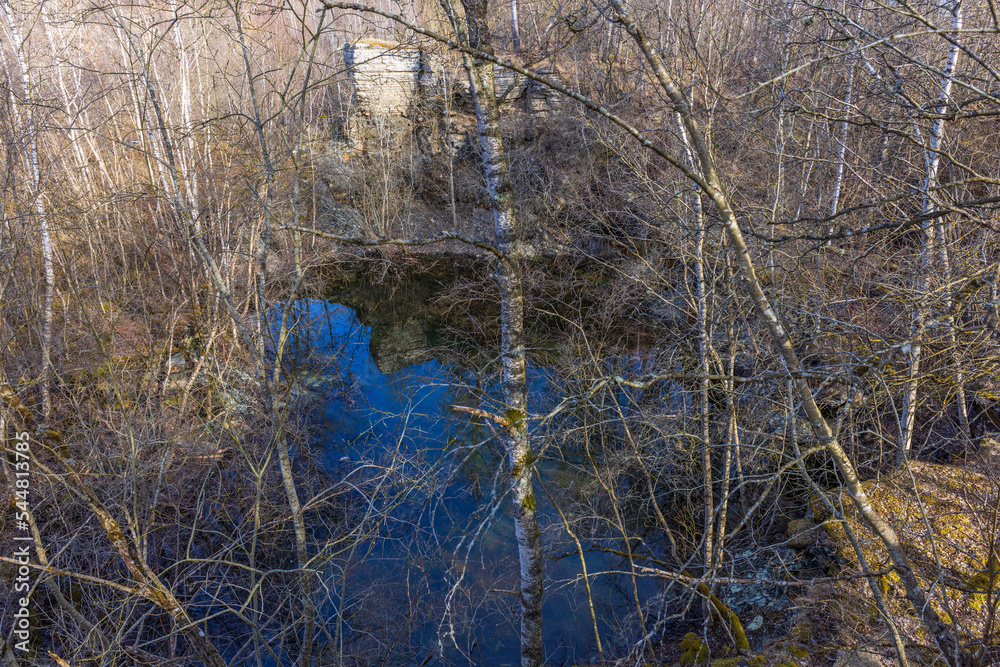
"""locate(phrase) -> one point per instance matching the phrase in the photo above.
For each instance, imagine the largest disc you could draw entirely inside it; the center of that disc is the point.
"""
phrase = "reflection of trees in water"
(443, 547)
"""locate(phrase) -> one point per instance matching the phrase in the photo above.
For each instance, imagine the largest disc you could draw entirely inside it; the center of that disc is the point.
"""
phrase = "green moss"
(737, 627)
(520, 466)
(529, 503)
(799, 652)
(694, 657)
(756, 661)
(514, 416)
(802, 631)
(982, 581)
(727, 662)
(989, 577)
(695, 650)
(819, 511)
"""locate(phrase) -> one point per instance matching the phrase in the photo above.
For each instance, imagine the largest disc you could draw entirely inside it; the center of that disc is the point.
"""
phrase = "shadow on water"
(433, 575)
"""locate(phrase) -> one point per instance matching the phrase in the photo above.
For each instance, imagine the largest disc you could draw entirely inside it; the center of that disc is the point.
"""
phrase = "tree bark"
(515, 30)
(930, 237)
(514, 382)
(20, 54)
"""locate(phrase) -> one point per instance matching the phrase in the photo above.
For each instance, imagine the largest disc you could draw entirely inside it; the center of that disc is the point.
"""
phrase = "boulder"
(802, 533)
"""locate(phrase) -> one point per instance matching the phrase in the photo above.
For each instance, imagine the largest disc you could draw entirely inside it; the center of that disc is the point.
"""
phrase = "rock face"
(400, 344)
(404, 154)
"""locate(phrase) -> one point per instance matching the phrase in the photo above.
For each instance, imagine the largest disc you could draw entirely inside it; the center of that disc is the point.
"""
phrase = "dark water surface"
(433, 578)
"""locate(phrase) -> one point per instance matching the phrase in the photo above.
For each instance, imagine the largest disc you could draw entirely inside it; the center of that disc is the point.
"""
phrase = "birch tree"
(932, 238)
(25, 110)
(473, 37)
(473, 30)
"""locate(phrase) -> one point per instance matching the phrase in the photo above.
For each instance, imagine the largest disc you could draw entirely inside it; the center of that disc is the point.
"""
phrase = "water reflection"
(434, 568)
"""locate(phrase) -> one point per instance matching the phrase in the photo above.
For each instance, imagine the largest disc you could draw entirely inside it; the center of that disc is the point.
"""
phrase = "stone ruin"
(396, 86)
(386, 79)
(409, 108)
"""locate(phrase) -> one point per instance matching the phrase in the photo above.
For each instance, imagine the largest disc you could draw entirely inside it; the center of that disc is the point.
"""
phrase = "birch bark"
(515, 31)
(514, 382)
(704, 341)
(25, 106)
(930, 229)
(838, 183)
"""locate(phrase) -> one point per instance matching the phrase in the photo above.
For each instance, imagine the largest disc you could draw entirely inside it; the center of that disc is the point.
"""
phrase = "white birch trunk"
(186, 148)
(514, 381)
(929, 227)
(704, 407)
(25, 106)
(515, 31)
(838, 181)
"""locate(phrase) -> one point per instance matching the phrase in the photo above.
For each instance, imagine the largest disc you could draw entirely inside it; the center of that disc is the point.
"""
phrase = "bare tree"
(25, 110)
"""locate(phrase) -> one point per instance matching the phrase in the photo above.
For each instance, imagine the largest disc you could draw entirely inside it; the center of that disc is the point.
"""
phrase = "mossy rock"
(802, 533)
(727, 662)
(948, 496)
(988, 578)
(977, 601)
(802, 631)
(818, 508)
(733, 661)
(950, 500)
(695, 650)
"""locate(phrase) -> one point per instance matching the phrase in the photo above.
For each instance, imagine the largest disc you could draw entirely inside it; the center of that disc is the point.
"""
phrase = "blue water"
(435, 569)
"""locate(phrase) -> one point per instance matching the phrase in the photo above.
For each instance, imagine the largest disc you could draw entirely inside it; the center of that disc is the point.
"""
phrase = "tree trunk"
(20, 53)
(515, 31)
(930, 237)
(514, 382)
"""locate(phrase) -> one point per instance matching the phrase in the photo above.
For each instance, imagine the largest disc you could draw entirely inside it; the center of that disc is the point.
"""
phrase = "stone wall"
(389, 79)
(385, 78)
